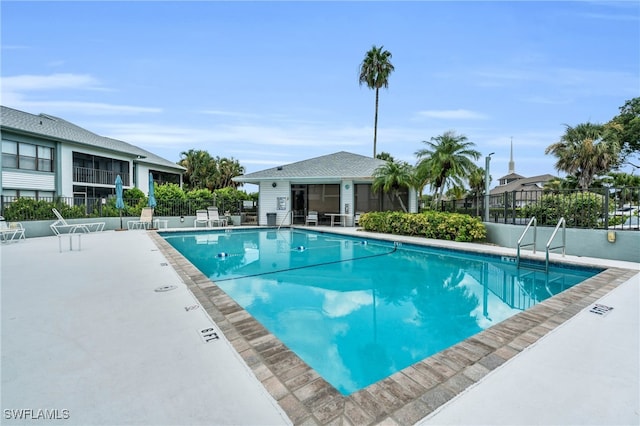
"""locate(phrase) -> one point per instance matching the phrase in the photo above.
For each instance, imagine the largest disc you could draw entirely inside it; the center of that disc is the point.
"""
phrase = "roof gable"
(523, 184)
(48, 126)
(339, 165)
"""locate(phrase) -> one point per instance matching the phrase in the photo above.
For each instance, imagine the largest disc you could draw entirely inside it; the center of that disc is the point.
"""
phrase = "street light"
(486, 186)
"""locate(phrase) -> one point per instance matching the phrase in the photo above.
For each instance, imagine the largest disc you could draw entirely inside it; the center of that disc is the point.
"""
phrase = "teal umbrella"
(152, 198)
(119, 200)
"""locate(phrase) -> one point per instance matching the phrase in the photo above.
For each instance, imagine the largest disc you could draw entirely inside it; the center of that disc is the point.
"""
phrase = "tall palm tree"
(374, 72)
(447, 158)
(584, 152)
(393, 176)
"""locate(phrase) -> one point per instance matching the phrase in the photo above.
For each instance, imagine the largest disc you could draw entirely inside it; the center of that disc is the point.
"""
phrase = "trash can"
(271, 219)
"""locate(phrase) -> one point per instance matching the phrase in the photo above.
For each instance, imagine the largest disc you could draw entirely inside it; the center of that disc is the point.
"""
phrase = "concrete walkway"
(86, 340)
(584, 372)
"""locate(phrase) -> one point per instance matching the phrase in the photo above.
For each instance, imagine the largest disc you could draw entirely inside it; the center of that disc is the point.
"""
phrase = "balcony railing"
(102, 177)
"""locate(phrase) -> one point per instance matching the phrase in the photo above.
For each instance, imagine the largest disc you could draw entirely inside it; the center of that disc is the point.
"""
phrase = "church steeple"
(512, 165)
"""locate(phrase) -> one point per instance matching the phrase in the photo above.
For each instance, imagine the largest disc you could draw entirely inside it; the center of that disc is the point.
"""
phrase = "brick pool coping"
(408, 395)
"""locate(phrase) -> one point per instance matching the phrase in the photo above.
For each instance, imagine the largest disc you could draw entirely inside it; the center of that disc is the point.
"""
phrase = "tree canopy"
(391, 177)
(626, 129)
(447, 158)
(206, 172)
(584, 151)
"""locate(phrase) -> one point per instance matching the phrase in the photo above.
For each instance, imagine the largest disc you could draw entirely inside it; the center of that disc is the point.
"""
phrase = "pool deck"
(86, 336)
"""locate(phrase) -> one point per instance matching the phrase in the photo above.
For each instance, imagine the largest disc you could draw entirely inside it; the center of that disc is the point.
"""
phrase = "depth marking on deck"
(601, 310)
(191, 308)
(164, 288)
(208, 334)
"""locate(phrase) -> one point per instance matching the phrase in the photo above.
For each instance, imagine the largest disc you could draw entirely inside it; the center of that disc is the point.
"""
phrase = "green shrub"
(429, 224)
(199, 198)
(133, 196)
(580, 209)
(27, 208)
(229, 199)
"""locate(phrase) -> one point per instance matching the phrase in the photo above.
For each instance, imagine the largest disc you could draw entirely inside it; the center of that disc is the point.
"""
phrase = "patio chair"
(61, 225)
(356, 219)
(146, 215)
(9, 231)
(214, 217)
(312, 217)
(202, 216)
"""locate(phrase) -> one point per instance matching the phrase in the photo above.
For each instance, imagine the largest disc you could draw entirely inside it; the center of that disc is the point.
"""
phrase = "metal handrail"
(285, 216)
(564, 241)
(533, 221)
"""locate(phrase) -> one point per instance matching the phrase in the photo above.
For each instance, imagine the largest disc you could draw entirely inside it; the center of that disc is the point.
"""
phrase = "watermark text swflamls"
(36, 414)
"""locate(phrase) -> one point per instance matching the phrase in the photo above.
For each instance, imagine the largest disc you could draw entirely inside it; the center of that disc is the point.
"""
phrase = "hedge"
(429, 224)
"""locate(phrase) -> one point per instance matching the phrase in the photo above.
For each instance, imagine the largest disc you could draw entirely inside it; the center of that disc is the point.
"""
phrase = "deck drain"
(191, 308)
(600, 309)
(208, 334)
(165, 288)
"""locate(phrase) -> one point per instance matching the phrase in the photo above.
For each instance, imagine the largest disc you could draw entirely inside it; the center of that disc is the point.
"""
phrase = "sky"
(271, 83)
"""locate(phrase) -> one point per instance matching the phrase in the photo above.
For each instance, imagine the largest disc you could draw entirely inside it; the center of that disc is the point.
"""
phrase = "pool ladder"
(290, 212)
(562, 222)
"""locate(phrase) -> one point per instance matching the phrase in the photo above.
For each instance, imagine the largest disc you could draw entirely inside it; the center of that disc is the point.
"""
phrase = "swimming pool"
(359, 310)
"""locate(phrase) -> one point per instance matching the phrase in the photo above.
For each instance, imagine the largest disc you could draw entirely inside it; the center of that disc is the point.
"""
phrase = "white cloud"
(562, 81)
(16, 88)
(340, 304)
(28, 82)
(87, 108)
(453, 114)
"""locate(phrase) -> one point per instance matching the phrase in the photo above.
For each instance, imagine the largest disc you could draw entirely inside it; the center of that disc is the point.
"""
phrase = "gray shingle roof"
(54, 128)
(531, 183)
(339, 165)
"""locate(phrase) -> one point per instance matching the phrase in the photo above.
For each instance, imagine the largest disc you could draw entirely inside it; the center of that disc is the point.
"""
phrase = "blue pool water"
(359, 310)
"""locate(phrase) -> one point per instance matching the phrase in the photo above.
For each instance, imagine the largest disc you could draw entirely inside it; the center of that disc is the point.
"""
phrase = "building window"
(26, 156)
(45, 159)
(10, 154)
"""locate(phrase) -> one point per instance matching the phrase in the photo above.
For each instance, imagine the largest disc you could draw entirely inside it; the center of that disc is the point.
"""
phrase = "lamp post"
(487, 175)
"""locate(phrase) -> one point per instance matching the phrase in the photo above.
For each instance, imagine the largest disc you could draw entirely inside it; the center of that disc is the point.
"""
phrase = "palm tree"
(228, 168)
(391, 177)
(584, 152)
(385, 156)
(374, 72)
(199, 168)
(448, 157)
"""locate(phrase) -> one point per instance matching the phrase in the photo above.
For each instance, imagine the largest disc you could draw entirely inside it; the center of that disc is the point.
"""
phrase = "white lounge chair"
(214, 217)
(202, 216)
(61, 226)
(146, 215)
(312, 217)
(11, 231)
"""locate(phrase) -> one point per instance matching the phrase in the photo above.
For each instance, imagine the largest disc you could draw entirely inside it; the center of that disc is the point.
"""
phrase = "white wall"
(268, 200)
(347, 201)
(580, 242)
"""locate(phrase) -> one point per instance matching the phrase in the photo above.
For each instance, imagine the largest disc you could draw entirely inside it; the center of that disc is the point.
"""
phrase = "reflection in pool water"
(357, 311)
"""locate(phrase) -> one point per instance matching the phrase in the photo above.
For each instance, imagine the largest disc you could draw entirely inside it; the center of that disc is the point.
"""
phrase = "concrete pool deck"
(84, 331)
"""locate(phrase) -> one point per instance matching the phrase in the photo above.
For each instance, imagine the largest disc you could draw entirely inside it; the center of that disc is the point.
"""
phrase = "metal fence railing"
(31, 208)
(593, 208)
